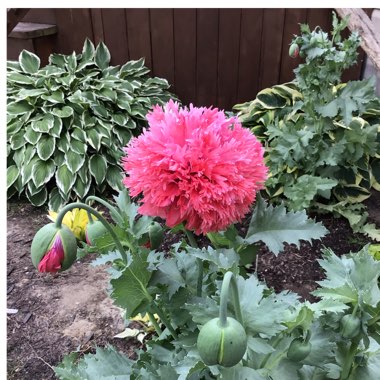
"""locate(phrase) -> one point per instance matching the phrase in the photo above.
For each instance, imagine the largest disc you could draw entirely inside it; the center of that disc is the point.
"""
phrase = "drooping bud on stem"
(223, 340)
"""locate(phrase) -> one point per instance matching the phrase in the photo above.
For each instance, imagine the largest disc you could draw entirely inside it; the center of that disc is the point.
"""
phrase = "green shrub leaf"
(12, 175)
(65, 179)
(19, 108)
(45, 147)
(98, 167)
(63, 112)
(74, 161)
(102, 56)
(43, 125)
(29, 62)
(42, 171)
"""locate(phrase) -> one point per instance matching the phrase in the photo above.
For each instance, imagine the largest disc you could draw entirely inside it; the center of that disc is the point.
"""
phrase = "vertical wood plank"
(115, 34)
(44, 46)
(320, 17)
(293, 17)
(97, 25)
(138, 31)
(228, 57)
(249, 61)
(185, 23)
(74, 26)
(207, 56)
(273, 25)
(161, 23)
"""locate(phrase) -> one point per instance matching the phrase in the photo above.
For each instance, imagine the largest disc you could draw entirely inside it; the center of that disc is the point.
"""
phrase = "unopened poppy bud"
(294, 50)
(94, 231)
(53, 249)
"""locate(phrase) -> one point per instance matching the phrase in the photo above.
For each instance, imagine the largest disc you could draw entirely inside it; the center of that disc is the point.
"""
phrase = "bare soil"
(71, 311)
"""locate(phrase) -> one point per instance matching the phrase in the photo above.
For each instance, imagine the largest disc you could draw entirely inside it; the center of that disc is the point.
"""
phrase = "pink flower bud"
(294, 50)
(53, 249)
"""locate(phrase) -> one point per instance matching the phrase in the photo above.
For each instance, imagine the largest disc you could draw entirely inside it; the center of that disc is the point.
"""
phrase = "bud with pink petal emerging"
(94, 230)
(53, 249)
(294, 50)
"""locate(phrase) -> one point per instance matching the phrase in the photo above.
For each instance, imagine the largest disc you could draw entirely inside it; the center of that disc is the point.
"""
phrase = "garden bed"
(71, 311)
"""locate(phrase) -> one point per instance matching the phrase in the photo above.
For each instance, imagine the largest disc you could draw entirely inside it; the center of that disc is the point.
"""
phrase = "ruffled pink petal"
(195, 166)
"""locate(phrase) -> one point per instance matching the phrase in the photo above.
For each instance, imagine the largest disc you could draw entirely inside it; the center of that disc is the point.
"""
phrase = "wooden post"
(361, 23)
(14, 15)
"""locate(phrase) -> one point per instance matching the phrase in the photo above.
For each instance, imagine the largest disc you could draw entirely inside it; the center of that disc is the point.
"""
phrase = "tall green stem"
(100, 217)
(112, 209)
(229, 282)
(154, 323)
(350, 358)
(194, 244)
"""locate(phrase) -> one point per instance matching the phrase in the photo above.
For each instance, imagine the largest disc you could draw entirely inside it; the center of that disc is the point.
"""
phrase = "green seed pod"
(53, 249)
(156, 235)
(94, 231)
(224, 345)
(298, 350)
(350, 326)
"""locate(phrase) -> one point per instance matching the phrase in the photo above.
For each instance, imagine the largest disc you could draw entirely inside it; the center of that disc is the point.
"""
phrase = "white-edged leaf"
(45, 147)
(39, 198)
(88, 50)
(93, 138)
(29, 62)
(26, 170)
(62, 112)
(19, 78)
(102, 56)
(12, 175)
(19, 108)
(43, 125)
(57, 127)
(56, 200)
(98, 168)
(114, 177)
(274, 226)
(74, 161)
(81, 188)
(31, 136)
(64, 179)
(42, 172)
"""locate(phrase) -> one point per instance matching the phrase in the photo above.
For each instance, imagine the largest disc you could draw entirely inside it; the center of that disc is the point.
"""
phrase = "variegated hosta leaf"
(42, 172)
(98, 168)
(65, 179)
(56, 200)
(39, 198)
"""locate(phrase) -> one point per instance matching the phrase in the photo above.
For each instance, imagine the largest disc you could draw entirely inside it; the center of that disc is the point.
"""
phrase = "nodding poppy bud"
(94, 231)
(53, 249)
(298, 350)
(350, 326)
(294, 50)
(156, 235)
(223, 345)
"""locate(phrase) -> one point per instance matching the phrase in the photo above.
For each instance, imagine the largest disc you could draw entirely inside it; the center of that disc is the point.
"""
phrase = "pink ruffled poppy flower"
(195, 166)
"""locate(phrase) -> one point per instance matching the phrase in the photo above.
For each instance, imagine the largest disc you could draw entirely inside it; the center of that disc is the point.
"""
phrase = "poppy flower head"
(196, 166)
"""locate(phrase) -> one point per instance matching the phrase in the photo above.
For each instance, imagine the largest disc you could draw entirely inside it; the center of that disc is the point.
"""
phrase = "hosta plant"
(212, 319)
(67, 122)
(322, 136)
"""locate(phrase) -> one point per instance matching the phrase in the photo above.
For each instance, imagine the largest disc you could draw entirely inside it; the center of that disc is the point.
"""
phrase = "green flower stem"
(193, 243)
(229, 282)
(163, 318)
(112, 209)
(101, 218)
(119, 246)
(267, 356)
(154, 323)
(350, 358)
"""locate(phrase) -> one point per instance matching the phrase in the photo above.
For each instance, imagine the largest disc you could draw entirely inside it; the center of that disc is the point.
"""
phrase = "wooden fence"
(216, 57)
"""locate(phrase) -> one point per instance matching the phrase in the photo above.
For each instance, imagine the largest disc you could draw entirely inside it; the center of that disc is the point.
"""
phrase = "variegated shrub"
(67, 122)
(322, 136)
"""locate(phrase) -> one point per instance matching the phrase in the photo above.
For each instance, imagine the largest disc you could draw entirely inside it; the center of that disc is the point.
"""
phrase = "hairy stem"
(112, 209)
(100, 217)
(193, 243)
(229, 282)
(154, 323)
